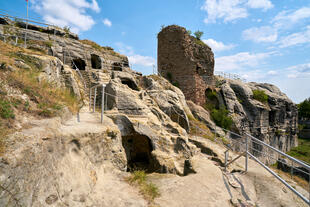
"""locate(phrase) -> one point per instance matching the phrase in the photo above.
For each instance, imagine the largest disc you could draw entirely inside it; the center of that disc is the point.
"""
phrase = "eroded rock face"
(185, 61)
(274, 122)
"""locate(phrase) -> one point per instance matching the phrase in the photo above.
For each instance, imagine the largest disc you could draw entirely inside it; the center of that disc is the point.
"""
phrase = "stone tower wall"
(185, 61)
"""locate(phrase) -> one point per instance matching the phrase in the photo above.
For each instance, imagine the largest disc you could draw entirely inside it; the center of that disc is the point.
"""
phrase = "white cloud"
(107, 22)
(286, 19)
(135, 58)
(230, 10)
(241, 61)
(296, 38)
(70, 13)
(218, 46)
(260, 4)
(141, 60)
(272, 72)
(260, 34)
(299, 71)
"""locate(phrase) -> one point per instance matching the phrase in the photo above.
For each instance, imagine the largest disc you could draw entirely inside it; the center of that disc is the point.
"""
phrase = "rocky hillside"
(259, 109)
(49, 158)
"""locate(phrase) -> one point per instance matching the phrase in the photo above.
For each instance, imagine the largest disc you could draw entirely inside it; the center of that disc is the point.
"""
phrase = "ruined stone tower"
(186, 62)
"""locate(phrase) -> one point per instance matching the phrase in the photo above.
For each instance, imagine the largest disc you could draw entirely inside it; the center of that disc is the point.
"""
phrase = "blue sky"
(261, 40)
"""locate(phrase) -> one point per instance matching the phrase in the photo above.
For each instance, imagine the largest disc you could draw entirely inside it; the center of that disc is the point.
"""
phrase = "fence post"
(226, 159)
(292, 169)
(215, 133)
(102, 102)
(78, 116)
(26, 34)
(94, 106)
(246, 153)
(90, 99)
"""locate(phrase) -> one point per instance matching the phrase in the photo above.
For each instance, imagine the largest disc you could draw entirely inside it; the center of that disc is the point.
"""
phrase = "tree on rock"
(198, 34)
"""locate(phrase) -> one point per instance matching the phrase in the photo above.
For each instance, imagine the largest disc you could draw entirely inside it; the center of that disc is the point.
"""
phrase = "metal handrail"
(280, 152)
(27, 20)
(280, 179)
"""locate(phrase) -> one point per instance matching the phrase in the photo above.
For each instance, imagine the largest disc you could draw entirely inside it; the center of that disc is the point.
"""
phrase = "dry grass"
(46, 100)
(147, 189)
(91, 43)
(199, 129)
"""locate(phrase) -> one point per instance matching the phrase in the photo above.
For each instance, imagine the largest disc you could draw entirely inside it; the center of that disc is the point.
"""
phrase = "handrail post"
(215, 133)
(292, 169)
(90, 99)
(226, 159)
(94, 106)
(102, 102)
(246, 153)
(78, 116)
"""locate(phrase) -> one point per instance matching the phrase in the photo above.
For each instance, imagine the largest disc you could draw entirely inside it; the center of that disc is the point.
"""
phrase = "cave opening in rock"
(95, 61)
(272, 118)
(138, 150)
(78, 63)
(117, 66)
(130, 83)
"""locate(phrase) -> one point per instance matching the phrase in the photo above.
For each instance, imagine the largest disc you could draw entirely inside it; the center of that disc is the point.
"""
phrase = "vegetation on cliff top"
(260, 95)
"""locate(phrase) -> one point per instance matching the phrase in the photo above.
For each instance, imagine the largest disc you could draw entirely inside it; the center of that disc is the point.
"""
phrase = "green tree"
(189, 32)
(198, 34)
(304, 109)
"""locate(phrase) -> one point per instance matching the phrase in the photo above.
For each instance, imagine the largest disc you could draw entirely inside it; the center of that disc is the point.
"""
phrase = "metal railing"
(229, 75)
(259, 151)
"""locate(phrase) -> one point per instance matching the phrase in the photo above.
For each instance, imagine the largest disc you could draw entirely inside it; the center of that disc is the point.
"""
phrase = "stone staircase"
(86, 78)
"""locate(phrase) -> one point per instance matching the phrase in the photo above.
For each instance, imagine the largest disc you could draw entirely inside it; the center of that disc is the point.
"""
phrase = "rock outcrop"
(274, 122)
(64, 162)
(185, 61)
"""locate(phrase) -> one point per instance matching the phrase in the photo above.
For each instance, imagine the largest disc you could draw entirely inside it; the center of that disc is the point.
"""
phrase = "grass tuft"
(149, 190)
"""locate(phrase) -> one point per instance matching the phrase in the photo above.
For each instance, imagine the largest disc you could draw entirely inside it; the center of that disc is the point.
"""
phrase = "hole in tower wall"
(95, 61)
(138, 150)
(79, 63)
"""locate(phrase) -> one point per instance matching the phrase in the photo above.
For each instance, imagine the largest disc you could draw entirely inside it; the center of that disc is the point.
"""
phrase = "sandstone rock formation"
(185, 61)
(63, 162)
(274, 122)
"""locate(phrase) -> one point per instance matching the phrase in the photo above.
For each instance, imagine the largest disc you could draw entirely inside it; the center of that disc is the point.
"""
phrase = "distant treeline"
(304, 109)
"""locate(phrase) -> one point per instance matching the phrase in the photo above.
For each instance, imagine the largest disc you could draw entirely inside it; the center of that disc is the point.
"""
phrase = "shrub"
(189, 32)
(211, 95)
(221, 118)
(66, 29)
(260, 96)
(198, 34)
(6, 111)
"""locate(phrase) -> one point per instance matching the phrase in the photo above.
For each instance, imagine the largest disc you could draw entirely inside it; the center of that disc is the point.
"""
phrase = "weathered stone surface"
(124, 99)
(170, 100)
(185, 60)
(274, 122)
